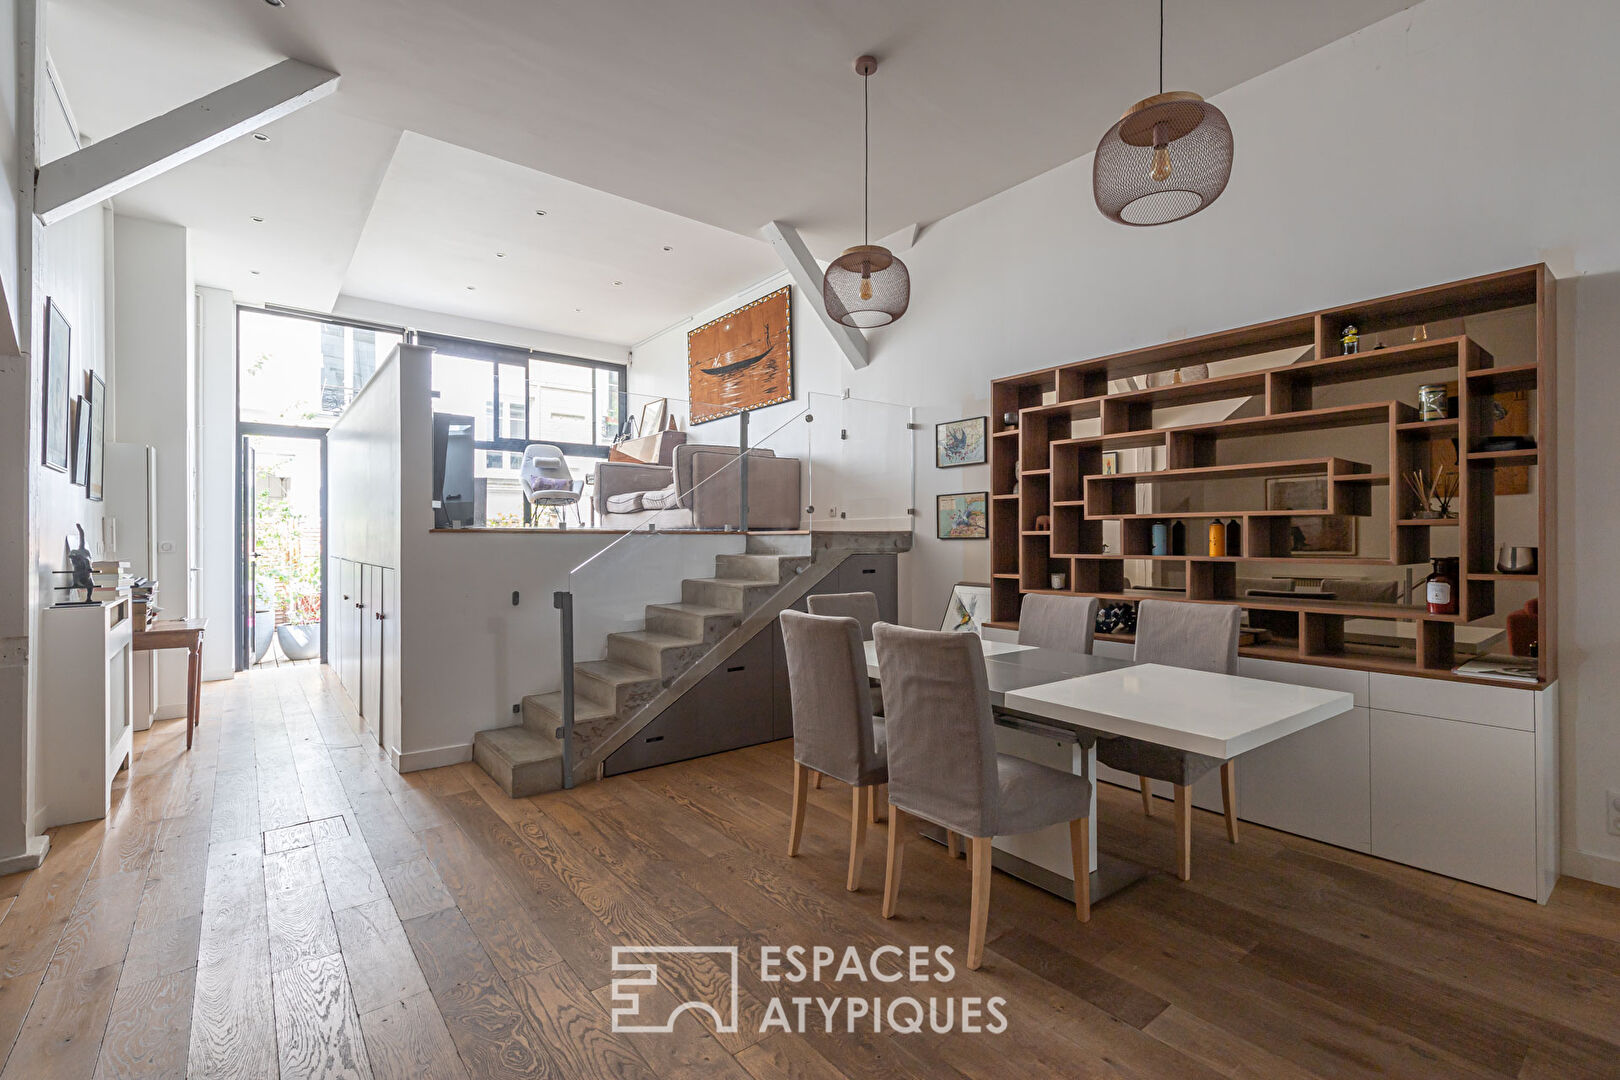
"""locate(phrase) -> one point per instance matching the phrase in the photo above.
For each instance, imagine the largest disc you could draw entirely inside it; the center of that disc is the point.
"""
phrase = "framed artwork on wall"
(963, 516)
(741, 361)
(960, 442)
(58, 400)
(967, 609)
(98, 436)
(81, 442)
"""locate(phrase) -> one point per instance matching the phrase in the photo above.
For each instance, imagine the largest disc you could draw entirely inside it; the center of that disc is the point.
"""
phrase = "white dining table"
(1052, 706)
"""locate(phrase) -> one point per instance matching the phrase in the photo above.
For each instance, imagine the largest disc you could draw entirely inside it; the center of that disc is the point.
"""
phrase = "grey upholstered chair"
(1199, 636)
(944, 768)
(833, 730)
(863, 608)
(860, 606)
(1058, 622)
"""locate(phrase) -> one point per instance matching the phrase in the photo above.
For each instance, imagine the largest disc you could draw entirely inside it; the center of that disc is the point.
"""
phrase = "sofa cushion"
(664, 499)
(625, 503)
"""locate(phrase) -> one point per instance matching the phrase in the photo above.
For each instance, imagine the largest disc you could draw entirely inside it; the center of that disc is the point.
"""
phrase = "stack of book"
(110, 579)
(1514, 668)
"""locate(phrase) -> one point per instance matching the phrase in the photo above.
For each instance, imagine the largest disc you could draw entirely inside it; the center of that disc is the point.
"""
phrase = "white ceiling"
(729, 113)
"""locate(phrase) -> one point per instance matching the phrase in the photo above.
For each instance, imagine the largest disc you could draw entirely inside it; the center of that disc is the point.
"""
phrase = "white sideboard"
(1457, 778)
(86, 704)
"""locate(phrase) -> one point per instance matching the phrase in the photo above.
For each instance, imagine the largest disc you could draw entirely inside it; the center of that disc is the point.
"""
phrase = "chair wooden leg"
(891, 869)
(1229, 797)
(1183, 832)
(953, 844)
(872, 805)
(817, 779)
(1080, 850)
(801, 792)
(860, 806)
(979, 916)
(1147, 796)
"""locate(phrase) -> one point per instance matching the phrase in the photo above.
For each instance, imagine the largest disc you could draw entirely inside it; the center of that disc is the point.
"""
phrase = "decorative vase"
(1178, 538)
(264, 631)
(300, 641)
(1234, 537)
(1161, 538)
(1217, 540)
(1060, 582)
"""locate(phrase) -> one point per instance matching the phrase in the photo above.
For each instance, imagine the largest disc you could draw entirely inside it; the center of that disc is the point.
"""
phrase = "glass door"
(283, 529)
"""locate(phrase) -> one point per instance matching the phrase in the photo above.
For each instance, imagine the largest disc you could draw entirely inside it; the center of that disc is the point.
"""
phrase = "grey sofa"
(699, 489)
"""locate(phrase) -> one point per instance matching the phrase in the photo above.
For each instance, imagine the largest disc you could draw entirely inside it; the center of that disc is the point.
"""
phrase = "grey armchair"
(944, 768)
(833, 730)
(1203, 637)
(700, 489)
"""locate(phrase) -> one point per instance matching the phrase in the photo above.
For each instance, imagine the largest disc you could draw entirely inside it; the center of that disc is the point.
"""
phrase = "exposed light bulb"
(1161, 164)
(866, 287)
(1161, 155)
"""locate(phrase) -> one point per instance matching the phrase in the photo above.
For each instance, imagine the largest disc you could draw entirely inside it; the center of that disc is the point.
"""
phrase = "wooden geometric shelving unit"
(1041, 470)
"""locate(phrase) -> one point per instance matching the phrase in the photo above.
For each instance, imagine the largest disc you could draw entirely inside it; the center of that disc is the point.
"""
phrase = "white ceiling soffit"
(731, 112)
(593, 266)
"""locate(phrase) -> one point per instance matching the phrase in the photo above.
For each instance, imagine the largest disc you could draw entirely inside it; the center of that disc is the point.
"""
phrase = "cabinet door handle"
(379, 616)
(358, 605)
(739, 667)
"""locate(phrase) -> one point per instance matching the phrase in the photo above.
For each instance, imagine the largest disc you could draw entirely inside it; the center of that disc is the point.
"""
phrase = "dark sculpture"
(79, 562)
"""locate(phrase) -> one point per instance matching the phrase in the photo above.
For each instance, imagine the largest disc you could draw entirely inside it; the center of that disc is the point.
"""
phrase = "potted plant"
(300, 635)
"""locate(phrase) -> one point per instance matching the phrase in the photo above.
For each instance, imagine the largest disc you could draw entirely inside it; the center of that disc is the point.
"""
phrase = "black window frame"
(502, 357)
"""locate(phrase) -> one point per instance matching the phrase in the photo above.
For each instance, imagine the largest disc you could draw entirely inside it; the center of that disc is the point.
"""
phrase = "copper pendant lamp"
(1169, 157)
(866, 286)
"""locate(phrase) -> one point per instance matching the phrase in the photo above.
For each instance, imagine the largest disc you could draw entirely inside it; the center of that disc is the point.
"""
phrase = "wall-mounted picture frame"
(81, 441)
(58, 398)
(98, 437)
(967, 609)
(1110, 463)
(962, 516)
(741, 361)
(961, 442)
(1318, 534)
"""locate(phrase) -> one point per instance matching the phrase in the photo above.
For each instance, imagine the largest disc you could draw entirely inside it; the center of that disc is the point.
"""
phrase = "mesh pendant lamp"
(1169, 157)
(867, 285)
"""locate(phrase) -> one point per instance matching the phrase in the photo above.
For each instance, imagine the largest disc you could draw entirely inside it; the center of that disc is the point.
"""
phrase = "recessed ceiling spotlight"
(258, 221)
(500, 254)
(668, 247)
(539, 213)
(472, 288)
(276, 3)
(255, 273)
(616, 284)
(261, 136)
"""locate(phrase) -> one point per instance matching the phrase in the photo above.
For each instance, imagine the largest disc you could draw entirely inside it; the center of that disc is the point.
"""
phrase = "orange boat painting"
(742, 360)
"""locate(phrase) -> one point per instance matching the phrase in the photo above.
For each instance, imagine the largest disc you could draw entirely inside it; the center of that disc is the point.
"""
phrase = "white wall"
(155, 321)
(1455, 138)
(362, 467)
(216, 478)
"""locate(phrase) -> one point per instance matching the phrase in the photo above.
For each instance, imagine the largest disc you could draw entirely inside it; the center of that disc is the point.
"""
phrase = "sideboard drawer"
(1504, 706)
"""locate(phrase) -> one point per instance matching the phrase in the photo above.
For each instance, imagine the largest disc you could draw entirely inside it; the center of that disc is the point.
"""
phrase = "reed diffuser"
(1434, 496)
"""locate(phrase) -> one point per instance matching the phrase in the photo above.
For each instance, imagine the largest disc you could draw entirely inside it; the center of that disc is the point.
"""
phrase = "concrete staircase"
(639, 667)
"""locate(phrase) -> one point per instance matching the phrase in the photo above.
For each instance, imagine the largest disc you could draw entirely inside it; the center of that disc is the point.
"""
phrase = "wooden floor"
(280, 901)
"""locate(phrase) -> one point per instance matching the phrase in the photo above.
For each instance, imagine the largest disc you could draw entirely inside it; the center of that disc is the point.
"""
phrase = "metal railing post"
(564, 603)
(742, 463)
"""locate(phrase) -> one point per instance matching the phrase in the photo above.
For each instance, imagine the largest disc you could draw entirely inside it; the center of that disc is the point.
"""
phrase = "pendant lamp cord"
(866, 159)
(1161, 46)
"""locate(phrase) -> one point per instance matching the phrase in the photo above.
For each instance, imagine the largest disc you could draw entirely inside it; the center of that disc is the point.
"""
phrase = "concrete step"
(778, 543)
(544, 713)
(739, 594)
(620, 686)
(775, 569)
(709, 624)
(667, 654)
(521, 761)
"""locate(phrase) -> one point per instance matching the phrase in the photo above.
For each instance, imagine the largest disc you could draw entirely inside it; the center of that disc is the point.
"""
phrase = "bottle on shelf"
(1441, 587)
(1161, 538)
(1234, 537)
(1178, 538)
(1217, 539)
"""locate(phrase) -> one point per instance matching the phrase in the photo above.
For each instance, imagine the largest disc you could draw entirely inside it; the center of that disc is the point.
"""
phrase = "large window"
(517, 397)
(303, 371)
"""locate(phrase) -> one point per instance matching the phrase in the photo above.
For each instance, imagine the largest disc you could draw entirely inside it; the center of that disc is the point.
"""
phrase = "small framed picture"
(98, 437)
(81, 442)
(58, 399)
(1110, 463)
(968, 608)
(960, 442)
(963, 516)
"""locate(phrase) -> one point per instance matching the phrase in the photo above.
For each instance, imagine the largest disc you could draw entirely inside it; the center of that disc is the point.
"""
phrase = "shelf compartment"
(1437, 303)
(1017, 393)
(1296, 331)
(1447, 427)
(1289, 389)
(1504, 458)
(1494, 380)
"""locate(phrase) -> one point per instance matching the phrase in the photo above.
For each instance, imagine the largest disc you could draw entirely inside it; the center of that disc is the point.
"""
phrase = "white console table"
(86, 705)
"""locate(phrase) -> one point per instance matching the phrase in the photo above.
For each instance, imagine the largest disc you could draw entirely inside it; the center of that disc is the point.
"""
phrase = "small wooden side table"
(184, 634)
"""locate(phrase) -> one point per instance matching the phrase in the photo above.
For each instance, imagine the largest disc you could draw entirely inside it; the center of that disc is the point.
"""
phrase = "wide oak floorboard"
(279, 902)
